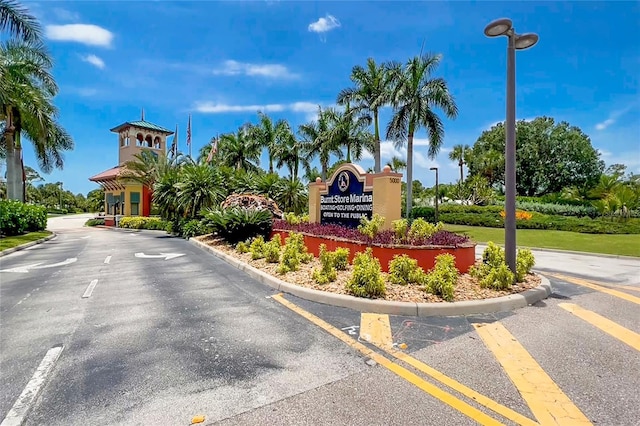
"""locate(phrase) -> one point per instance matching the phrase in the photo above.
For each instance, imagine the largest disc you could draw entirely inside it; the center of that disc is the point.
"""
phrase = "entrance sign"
(351, 194)
(346, 201)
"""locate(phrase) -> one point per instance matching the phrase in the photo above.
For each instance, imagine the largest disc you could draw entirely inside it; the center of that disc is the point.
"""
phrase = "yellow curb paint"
(375, 328)
(402, 372)
(619, 332)
(588, 284)
(459, 387)
(545, 399)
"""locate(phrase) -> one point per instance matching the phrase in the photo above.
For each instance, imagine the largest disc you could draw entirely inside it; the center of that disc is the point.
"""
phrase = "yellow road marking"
(585, 283)
(545, 399)
(375, 328)
(402, 372)
(378, 329)
(619, 332)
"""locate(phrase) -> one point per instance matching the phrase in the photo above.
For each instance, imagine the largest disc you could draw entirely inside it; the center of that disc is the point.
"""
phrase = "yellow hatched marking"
(402, 372)
(545, 399)
(381, 322)
(588, 284)
(375, 328)
(614, 329)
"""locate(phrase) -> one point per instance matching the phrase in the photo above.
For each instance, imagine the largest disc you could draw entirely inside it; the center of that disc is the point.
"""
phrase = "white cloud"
(324, 24)
(92, 35)
(65, 15)
(275, 71)
(94, 60)
(209, 107)
(388, 151)
(613, 117)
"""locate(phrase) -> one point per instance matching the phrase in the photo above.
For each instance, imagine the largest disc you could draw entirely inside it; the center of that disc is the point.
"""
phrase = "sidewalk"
(620, 270)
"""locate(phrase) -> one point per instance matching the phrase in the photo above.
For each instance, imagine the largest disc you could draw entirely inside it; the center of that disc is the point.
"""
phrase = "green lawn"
(10, 242)
(619, 244)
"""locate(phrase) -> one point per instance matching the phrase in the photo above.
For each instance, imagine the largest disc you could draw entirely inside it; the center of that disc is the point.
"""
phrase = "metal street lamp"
(436, 169)
(60, 183)
(497, 28)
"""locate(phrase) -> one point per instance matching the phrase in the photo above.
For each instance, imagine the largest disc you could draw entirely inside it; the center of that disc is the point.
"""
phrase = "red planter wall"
(426, 256)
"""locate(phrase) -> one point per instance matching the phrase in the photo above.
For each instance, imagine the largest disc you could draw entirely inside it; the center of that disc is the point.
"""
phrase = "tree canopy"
(550, 156)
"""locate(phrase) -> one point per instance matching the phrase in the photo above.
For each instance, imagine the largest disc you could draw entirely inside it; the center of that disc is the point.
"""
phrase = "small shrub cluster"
(17, 218)
(242, 247)
(327, 273)
(293, 254)
(257, 248)
(366, 280)
(95, 222)
(442, 279)
(371, 227)
(293, 219)
(421, 230)
(427, 213)
(271, 250)
(194, 228)
(404, 270)
(494, 273)
(238, 224)
(142, 222)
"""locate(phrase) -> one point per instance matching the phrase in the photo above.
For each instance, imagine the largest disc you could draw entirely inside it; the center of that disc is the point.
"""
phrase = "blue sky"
(222, 61)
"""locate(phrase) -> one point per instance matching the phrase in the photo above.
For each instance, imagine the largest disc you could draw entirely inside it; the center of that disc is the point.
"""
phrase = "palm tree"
(239, 150)
(26, 107)
(20, 24)
(351, 131)
(372, 91)
(414, 96)
(460, 153)
(397, 164)
(267, 134)
(197, 188)
(291, 152)
(320, 141)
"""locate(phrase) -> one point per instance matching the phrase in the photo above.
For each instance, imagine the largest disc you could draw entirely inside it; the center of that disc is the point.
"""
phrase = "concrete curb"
(27, 245)
(499, 304)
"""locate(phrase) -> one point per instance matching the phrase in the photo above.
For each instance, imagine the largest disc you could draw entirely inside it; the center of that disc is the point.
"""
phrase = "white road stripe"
(24, 403)
(89, 289)
(108, 259)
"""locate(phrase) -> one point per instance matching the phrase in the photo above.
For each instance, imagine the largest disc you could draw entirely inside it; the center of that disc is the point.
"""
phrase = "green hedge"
(95, 222)
(17, 218)
(142, 222)
(489, 216)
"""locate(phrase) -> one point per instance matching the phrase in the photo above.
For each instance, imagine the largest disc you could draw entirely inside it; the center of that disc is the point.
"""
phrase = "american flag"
(189, 131)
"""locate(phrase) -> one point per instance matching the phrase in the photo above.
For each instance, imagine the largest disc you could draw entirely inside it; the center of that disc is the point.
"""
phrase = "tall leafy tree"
(350, 129)
(416, 93)
(291, 152)
(371, 92)
(460, 153)
(550, 157)
(397, 164)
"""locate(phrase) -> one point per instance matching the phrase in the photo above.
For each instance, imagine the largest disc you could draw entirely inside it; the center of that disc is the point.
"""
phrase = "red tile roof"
(106, 175)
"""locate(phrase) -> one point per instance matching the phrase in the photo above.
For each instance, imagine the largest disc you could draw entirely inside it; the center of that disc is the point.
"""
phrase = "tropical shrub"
(341, 258)
(294, 253)
(366, 280)
(371, 227)
(427, 213)
(242, 247)
(494, 273)
(404, 270)
(17, 218)
(400, 228)
(257, 248)
(327, 273)
(271, 250)
(524, 262)
(237, 224)
(95, 222)
(422, 230)
(194, 228)
(442, 279)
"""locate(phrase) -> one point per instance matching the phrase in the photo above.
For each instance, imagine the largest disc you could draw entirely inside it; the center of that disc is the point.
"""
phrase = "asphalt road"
(162, 339)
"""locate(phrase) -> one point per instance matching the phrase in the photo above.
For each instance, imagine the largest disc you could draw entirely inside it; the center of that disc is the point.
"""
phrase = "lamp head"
(498, 27)
(433, 168)
(525, 41)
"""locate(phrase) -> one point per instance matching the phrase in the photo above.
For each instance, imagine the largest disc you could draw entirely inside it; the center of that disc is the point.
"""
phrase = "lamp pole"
(60, 195)
(436, 169)
(516, 41)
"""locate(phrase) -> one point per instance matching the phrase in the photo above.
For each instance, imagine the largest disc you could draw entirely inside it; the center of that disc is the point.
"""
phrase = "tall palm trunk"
(460, 163)
(409, 173)
(270, 162)
(15, 190)
(324, 171)
(376, 152)
(348, 153)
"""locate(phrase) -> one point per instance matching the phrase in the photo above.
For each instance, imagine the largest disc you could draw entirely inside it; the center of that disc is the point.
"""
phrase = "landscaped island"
(369, 262)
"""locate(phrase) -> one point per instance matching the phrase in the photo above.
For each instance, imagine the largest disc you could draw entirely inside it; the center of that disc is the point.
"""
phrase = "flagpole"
(189, 136)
